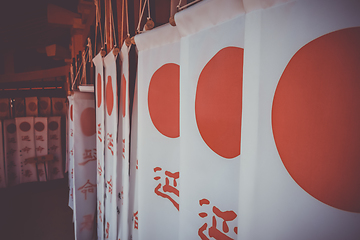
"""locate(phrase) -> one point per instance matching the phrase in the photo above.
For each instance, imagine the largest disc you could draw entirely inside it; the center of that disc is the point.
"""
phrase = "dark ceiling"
(25, 32)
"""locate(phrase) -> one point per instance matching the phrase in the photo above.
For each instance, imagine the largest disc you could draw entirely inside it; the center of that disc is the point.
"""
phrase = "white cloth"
(111, 124)
(41, 145)
(55, 148)
(85, 163)
(100, 142)
(124, 218)
(158, 134)
(71, 152)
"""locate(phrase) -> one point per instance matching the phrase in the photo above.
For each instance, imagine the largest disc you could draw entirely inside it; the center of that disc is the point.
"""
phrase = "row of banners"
(24, 138)
(244, 126)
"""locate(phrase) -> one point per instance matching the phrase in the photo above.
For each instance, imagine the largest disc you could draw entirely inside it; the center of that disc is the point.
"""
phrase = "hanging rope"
(113, 25)
(78, 71)
(187, 5)
(140, 18)
(98, 23)
(148, 2)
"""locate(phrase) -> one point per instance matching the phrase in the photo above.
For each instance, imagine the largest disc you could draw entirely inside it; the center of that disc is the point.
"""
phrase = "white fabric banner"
(54, 142)
(44, 106)
(31, 106)
(211, 109)
(4, 108)
(100, 142)
(158, 147)
(300, 174)
(12, 159)
(111, 122)
(41, 145)
(134, 175)
(2, 160)
(71, 152)
(19, 107)
(26, 148)
(85, 162)
(124, 219)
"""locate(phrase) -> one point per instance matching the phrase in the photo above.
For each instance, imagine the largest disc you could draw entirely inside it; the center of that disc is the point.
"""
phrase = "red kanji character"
(53, 148)
(136, 219)
(107, 229)
(28, 173)
(25, 138)
(167, 187)
(110, 144)
(88, 222)
(10, 152)
(99, 132)
(39, 138)
(87, 187)
(41, 172)
(11, 140)
(26, 149)
(226, 216)
(53, 137)
(39, 149)
(110, 186)
(88, 155)
(123, 149)
(99, 169)
(71, 132)
(100, 212)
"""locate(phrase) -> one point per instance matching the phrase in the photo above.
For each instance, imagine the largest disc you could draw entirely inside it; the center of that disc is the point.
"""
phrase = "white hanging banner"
(2, 160)
(44, 106)
(100, 142)
(58, 106)
(300, 174)
(158, 147)
(85, 163)
(111, 121)
(124, 220)
(4, 108)
(12, 158)
(41, 145)
(54, 142)
(19, 107)
(70, 144)
(31, 106)
(212, 49)
(26, 148)
(134, 169)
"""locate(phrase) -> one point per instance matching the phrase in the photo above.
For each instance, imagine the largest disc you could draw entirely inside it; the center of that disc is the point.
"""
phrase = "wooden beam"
(58, 52)
(42, 74)
(59, 15)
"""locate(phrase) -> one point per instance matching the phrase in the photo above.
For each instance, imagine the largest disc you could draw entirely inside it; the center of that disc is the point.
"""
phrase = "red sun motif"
(164, 100)
(25, 126)
(58, 106)
(71, 112)
(315, 118)
(88, 121)
(109, 96)
(53, 126)
(32, 106)
(43, 104)
(99, 90)
(39, 126)
(123, 95)
(11, 128)
(218, 102)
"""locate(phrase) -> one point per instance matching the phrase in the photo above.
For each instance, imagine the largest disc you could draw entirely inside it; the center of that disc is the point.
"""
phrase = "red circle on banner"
(11, 128)
(39, 126)
(25, 126)
(32, 106)
(109, 96)
(99, 90)
(315, 118)
(123, 94)
(58, 106)
(43, 104)
(164, 100)
(218, 102)
(4, 107)
(71, 113)
(53, 125)
(88, 121)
